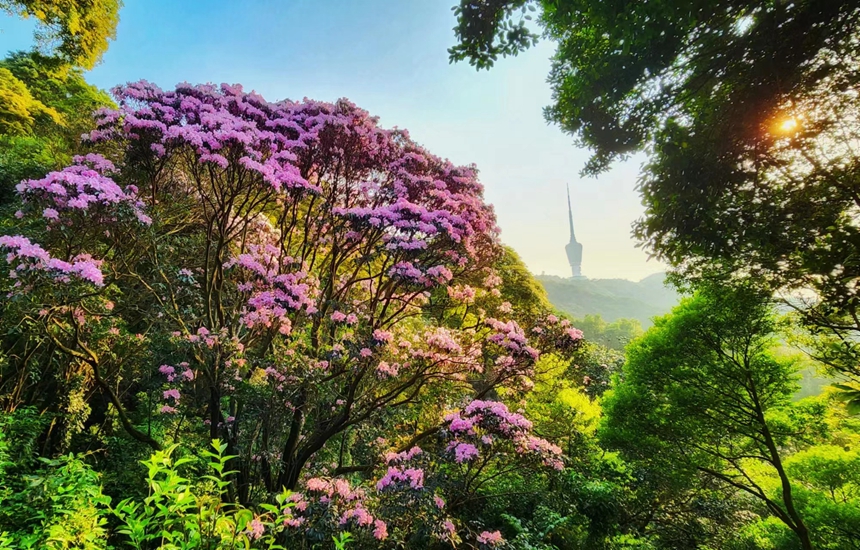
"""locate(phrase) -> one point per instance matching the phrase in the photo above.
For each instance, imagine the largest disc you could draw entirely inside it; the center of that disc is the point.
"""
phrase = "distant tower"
(573, 248)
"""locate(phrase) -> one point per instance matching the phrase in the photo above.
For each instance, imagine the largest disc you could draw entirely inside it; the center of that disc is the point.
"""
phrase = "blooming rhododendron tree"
(275, 276)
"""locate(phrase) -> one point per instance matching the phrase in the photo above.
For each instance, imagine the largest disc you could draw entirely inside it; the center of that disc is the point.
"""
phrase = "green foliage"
(536, 533)
(615, 335)
(21, 157)
(61, 88)
(702, 393)
(849, 394)
(73, 508)
(563, 412)
(342, 540)
(76, 32)
(519, 286)
(18, 108)
(764, 534)
(487, 30)
(185, 513)
(46, 504)
(828, 480)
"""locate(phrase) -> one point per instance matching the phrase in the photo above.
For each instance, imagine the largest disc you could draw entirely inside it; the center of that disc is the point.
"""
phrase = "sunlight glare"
(788, 125)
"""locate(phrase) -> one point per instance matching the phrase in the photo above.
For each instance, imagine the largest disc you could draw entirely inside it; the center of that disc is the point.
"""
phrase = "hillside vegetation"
(612, 299)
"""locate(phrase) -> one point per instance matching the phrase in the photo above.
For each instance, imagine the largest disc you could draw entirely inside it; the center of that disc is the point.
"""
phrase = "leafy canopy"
(702, 394)
(75, 31)
(622, 69)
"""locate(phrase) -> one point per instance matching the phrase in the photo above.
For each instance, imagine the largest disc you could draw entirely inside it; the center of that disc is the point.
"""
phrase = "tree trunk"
(799, 526)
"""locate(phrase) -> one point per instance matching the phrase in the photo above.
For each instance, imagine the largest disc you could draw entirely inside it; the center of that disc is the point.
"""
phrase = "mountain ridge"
(612, 299)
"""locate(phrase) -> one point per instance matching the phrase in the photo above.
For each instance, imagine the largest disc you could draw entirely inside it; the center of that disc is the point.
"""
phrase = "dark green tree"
(702, 394)
(624, 69)
(43, 96)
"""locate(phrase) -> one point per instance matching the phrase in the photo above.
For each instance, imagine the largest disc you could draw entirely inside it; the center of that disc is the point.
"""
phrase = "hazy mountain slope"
(611, 298)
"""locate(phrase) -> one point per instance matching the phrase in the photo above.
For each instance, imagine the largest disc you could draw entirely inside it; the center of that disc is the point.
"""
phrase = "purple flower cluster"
(400, 476)
(464, 452)
(557, 334)
(33, 258)
(483, 425)
(216, 123)
(83, 186)
(516, 358)
(511, 337)
(414, 200)
(276, 288)
(333, 498)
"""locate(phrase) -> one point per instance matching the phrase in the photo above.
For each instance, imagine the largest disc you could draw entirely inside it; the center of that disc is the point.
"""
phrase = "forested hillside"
(612, 299)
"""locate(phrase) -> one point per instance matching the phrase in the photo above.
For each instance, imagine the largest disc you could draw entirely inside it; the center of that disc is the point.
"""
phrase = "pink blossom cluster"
(403, 456)
(441, 339)
(439, 346)
(511, 337)
(299, 504)
(514, 357)
(83, 186)
(492, 280)
(169, 372)
(221, 125)
(439, 274)
(483, 425)
(31, 257)
(491, 539)
(210, 339)
(557, 334)
(464, 452)
(387, 370)
(400, 476)
(408, 272)
(462, 293)
(574, 333)
(276, 288)
(333, 498)
(382, 336)
(338, 317)
(255, 529)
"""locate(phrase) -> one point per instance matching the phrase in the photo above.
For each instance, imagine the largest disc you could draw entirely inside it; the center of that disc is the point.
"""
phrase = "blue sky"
(389, 57)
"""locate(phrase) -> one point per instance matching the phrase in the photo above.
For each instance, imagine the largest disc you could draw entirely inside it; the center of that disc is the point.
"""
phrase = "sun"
(788, 125)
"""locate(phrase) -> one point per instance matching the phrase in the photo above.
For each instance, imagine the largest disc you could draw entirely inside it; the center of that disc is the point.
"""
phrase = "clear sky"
(390, 57)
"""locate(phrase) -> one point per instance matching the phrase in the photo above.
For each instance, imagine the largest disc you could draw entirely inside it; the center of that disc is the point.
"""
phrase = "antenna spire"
(573, 248)
(570, 216)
